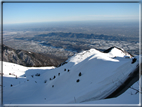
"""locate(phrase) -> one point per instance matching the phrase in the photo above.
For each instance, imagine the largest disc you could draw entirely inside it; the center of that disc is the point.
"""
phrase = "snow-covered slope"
(131, 96)
(89, 75)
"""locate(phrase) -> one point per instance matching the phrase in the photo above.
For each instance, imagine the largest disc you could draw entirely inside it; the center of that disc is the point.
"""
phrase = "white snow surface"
(101, 74)
(129, 97)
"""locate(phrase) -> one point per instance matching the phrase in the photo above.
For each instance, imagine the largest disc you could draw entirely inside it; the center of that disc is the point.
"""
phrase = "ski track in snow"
(100, 75)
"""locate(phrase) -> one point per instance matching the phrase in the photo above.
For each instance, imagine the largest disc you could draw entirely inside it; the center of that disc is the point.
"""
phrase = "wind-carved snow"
(87, 76)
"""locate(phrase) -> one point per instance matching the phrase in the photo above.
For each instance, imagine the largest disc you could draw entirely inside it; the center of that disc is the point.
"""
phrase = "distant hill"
(83, 35)
(26, 58)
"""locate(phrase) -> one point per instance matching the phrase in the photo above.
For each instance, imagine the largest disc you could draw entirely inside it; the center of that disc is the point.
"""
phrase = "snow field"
(101, 74)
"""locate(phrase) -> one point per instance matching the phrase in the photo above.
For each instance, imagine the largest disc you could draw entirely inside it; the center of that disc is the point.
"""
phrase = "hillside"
(87, 76)
(26, 58)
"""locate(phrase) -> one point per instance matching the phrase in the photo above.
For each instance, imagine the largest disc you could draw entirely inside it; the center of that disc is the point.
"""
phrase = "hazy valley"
(63, 40)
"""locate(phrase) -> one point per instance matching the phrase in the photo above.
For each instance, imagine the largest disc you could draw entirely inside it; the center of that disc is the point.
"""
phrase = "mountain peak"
(118, 52)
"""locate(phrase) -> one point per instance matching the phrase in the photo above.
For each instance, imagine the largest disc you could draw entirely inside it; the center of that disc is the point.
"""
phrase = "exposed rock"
(26, 58)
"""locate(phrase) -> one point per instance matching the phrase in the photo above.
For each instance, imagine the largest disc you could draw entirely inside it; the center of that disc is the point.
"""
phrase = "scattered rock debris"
(133, 60)
(77, 80)
(79, 74)
(58, 74)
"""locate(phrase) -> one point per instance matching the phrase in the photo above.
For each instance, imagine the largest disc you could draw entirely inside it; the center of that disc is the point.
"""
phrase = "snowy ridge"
(89, 75)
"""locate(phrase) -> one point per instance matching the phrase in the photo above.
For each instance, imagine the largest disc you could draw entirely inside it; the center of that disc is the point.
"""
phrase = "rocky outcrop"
(26, 58)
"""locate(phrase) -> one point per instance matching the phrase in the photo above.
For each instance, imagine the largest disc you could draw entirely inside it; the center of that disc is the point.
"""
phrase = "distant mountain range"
(86, 36)
(29, 59)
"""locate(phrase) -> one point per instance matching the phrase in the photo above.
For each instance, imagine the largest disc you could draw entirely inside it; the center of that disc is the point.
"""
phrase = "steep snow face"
(93, 53)
(118, 53)
(131, 96)
(89, 75)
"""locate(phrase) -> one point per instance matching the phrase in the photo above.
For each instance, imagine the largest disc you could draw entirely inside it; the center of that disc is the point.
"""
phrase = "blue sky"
(50, 12)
